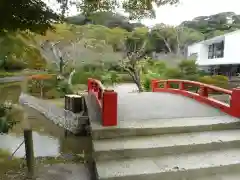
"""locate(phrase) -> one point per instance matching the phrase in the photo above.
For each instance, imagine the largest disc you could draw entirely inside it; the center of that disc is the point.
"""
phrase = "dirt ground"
(63, 172)
(60, 171)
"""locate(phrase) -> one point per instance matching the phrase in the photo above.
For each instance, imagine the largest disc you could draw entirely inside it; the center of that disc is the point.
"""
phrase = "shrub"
(14, 65)
(110, 77)
(81, 76)
(64, 87)
(188, 67)
(147, 78)
(53, 94)
(173, 73)
(216, 80)
(79, 88)
(51, 88)
(124, 77)
(7, 118)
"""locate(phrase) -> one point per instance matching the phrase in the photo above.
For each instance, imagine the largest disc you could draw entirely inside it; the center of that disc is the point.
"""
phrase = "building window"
(194, 55)
(216, 50)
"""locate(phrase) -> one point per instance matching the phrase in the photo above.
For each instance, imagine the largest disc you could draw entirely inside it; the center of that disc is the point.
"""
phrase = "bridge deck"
(148, 105)
(149, 109)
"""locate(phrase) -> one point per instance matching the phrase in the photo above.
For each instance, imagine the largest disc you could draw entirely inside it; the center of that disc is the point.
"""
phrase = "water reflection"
(43, 145)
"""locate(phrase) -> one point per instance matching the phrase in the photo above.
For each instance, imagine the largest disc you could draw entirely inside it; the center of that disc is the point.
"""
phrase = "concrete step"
(222, 176)
(164, 126)
(190, 166)
(158, 145)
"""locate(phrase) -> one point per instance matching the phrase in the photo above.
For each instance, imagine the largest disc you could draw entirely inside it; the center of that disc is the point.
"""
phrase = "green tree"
(165, 35)
(185, 37)
(214, 25)
(136, 50)
(136, 8)
(33, 15)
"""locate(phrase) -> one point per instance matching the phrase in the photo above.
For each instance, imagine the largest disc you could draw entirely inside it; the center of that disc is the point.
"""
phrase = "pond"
(49, 139)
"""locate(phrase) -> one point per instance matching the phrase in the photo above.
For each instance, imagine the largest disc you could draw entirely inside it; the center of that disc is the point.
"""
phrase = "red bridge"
(163, 97)
(135, 134)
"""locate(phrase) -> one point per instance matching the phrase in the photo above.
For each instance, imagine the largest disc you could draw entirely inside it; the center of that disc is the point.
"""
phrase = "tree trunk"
(61, 65)
(168, 46)
(136, 79)
(41, 88)
(139, 85)
(70, 77)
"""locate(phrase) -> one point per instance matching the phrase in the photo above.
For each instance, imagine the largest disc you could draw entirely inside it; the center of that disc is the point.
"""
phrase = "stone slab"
(156, 141)
(175, 167)
(164, 126)
(222, 176)
(148, 146)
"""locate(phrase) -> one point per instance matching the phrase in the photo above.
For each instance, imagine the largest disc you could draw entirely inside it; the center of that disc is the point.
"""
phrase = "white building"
(219, 55)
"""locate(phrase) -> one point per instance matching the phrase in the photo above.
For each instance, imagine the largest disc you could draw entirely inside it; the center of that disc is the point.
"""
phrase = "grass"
(9, 165)
(12, 166)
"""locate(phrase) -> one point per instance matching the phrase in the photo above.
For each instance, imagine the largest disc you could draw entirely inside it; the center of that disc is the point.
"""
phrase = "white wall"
(231, 51)
(201, 50)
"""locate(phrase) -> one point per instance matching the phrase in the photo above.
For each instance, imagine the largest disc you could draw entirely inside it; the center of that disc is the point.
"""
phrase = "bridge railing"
(106, 99)
(201, 94)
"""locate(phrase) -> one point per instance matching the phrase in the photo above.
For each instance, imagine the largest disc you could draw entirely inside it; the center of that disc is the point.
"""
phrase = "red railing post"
(181, 85)
(166, 85)
(235, 102)
(109, 108)
(89, 84)
(203, 91)
(154, 84)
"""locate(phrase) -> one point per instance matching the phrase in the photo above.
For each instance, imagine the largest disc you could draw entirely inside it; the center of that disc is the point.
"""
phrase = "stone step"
(222, 176)
(158, 145)
(175, 167)
(164, 126)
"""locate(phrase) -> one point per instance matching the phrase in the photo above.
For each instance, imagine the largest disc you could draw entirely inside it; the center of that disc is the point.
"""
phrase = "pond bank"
(51, 146)
(68, 120)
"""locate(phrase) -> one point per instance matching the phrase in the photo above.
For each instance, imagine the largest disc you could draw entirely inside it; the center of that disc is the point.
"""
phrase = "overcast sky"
(186, 10)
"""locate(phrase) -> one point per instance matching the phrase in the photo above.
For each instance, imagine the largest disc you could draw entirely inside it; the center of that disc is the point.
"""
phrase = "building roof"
(216, 38)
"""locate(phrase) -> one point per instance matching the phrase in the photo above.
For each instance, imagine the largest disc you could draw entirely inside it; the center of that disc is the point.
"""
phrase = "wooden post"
(29, 152)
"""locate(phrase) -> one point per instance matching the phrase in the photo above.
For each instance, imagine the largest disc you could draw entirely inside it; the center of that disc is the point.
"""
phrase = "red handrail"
(106, 99)
(232, 109)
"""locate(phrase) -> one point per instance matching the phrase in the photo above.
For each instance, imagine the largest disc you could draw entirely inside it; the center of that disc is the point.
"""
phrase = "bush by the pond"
(216, 80)
(81, 76)
(187, 70)
(49, 88)
(8, 115)
(107, 77)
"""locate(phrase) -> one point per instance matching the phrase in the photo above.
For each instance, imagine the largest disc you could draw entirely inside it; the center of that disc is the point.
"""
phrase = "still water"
(48, 139)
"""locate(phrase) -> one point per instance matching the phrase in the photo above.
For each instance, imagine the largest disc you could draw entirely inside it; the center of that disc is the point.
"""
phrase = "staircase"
(199, 148)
